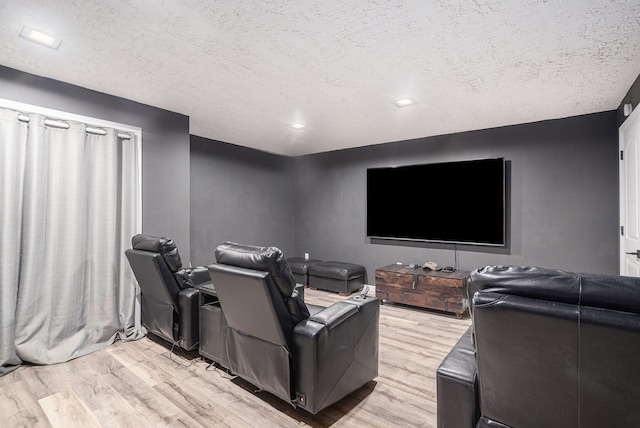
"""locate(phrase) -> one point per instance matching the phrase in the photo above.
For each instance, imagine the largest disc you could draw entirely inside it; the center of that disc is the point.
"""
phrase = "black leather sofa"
(546, 348)
(308, 355)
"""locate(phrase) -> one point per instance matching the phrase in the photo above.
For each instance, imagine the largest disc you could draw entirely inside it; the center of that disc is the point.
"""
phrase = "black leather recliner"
(169, 303)
(307, 355)
(547, 348)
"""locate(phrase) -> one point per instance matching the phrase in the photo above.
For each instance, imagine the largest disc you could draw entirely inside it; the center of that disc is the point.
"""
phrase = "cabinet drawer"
(416, 281)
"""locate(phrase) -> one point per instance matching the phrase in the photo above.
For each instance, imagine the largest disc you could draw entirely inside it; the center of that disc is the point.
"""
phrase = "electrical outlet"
(306, 256)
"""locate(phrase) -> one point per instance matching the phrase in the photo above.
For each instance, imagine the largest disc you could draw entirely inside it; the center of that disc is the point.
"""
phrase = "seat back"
(528, 360)
(154, 261)
(245, 291)
(556, 348)
(289, 305)
(155, 280)
(257, 294)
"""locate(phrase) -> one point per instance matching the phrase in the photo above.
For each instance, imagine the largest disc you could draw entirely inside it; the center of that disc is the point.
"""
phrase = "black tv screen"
(451, 202)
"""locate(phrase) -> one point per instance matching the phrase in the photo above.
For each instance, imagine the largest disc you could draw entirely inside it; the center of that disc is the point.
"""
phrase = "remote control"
(365, 290)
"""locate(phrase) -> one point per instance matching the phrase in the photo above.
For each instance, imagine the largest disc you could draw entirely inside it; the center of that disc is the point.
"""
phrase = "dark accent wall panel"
(165, 145)
(563, 197)
(241, 195)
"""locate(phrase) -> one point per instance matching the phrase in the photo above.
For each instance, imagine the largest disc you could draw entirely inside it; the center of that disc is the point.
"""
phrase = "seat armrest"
(190, 277)
(457, 385)
(334, 315)
(199, 275)
(336, 352)
(189, 312)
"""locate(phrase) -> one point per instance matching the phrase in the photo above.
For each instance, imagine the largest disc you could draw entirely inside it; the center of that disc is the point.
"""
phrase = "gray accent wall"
(241, 195)
(563, 197)
(165, 145)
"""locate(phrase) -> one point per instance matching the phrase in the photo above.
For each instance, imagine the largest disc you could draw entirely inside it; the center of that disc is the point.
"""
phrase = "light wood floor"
(140, 384)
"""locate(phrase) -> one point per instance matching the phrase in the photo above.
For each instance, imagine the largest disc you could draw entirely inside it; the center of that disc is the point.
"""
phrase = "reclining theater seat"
(552, 349)
(307, 355)
(168, 300)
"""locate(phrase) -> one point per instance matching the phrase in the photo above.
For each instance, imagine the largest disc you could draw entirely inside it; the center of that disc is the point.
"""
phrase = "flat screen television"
(451, 202)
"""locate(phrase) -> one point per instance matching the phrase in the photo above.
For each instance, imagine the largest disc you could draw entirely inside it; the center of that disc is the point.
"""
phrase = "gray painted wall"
(165, 145)
(564, 191)
(239, 194)
(563, 197)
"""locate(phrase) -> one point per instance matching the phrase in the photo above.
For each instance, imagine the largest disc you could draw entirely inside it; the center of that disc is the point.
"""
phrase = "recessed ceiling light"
(40, 38)
(297, 125)
(404, 102)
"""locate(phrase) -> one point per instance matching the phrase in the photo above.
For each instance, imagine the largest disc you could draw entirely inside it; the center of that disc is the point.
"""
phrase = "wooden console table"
(443, 291)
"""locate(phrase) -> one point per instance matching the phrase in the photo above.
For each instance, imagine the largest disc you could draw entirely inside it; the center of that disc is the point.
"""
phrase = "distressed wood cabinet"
(442, 291)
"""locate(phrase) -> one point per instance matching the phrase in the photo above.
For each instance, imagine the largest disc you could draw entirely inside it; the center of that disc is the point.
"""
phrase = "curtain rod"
(65, 125)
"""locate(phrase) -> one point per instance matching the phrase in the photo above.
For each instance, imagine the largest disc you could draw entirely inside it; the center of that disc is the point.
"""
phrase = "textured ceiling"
(244, 71)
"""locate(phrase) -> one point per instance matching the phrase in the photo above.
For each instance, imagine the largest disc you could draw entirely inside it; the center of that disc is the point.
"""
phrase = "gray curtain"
(68, 211)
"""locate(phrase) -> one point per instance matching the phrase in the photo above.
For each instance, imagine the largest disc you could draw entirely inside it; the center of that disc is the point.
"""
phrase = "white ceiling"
(245, 70)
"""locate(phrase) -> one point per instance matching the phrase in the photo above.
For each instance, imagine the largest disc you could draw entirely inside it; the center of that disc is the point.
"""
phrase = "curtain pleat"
(13, 137)
(128, 302)
(73, 216)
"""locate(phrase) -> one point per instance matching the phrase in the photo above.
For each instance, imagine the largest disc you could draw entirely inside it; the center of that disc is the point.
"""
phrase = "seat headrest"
(266, 259)
(526, 281)
(164, 246)
(613, 292)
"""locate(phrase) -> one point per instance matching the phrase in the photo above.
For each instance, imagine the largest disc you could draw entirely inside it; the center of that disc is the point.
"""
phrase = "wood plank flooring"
(141, 384)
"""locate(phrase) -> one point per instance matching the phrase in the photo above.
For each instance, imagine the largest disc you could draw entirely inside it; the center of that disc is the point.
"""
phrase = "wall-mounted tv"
(451, 202)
